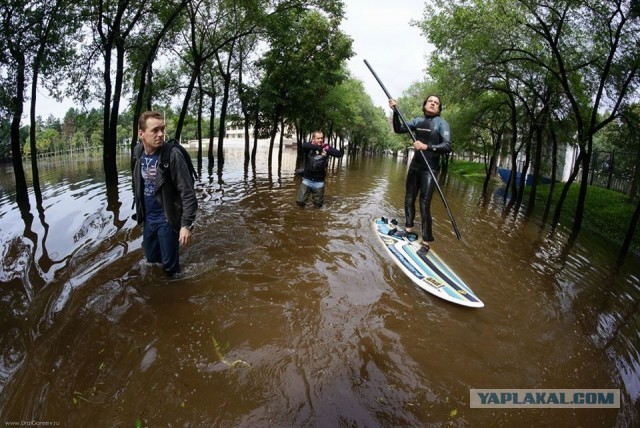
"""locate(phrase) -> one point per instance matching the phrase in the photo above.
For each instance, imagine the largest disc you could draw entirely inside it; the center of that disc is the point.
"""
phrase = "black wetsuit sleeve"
(398, 125)
(443, 130)
(311, 146)
(335, 152)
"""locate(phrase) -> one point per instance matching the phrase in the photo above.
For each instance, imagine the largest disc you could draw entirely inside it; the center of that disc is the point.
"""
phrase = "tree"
(112, 23)
(581, 50)
(303, 63)
(161, 28)
(56, 25)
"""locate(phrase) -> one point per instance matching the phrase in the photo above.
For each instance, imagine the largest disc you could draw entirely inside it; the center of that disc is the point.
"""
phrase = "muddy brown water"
(297, 317)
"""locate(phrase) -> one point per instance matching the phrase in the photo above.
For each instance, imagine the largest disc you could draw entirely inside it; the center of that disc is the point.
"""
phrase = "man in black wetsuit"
(316, 159)
(433, 137)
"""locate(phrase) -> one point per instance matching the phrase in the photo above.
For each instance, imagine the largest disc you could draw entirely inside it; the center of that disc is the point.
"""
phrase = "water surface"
(297, 317)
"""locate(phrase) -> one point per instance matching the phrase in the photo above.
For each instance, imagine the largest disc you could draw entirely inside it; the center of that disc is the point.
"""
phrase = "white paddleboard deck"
(429, 271)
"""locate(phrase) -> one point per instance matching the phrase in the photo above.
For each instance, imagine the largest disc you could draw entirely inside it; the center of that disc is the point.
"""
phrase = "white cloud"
(382, 35)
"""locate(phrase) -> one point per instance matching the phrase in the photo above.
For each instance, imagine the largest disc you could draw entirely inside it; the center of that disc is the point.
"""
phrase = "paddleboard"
(429, 272)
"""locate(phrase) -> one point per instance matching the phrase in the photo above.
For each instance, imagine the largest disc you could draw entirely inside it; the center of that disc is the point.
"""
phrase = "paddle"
(413, 137)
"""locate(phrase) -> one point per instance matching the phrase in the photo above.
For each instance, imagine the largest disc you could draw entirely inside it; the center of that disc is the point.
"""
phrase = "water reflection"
(295, 317)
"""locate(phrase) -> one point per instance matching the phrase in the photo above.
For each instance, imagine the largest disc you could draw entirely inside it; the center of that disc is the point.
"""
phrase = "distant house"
(234, 137)
(566, 159)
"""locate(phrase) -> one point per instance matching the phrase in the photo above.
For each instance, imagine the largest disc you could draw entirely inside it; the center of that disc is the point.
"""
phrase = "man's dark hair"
(425, 102)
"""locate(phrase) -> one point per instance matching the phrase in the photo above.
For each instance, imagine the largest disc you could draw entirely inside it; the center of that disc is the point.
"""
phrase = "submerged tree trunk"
(280, 145)
(554, 171)
(537, 162)
(626, 244)
(565, 189)
(274, 130)
(514, 156)
(212, 125)
(222, 129)
(497, 146)
(582, 193)
(254, 149)
(199, 123)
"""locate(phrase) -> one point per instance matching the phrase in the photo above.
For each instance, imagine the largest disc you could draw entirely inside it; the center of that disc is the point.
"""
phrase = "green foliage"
(302, 67)
(474, 171)
(298, 72)
(607, 213)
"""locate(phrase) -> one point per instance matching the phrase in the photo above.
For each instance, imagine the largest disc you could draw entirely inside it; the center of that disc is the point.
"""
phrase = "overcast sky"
(381, 34)
(395, 50)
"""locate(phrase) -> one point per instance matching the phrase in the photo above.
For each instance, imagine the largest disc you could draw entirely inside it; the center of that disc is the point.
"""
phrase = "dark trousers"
(160, 243)
(305, 191)
(420, 181)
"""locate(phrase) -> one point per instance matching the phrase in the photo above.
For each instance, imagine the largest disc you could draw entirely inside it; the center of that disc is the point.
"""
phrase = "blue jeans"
(160, 243)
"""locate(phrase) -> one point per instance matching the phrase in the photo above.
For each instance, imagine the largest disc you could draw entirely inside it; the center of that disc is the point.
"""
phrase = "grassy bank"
(607, 212)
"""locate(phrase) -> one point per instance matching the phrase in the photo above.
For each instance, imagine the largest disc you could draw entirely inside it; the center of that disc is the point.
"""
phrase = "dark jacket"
(431, 130)
(174, 190)
(315, 165)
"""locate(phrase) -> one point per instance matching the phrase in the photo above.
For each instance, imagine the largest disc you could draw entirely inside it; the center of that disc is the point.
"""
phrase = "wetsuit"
(435, 133)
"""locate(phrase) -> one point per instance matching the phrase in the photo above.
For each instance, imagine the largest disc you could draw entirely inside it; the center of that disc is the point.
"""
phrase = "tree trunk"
(212, 130)
(514, 155)
(106, 119)
(111, 134)
(199, 122)
(525, 167)
(566, 187)
(137, 106)
(280, 145)
(537, 162)
(274, 130)
(22, 193)
(582, 194)
(554, 169)
(626, 244)
(223, 118)
(185, 103)
(635, 182)
(146, 73)
(492, 162)
(32, 131)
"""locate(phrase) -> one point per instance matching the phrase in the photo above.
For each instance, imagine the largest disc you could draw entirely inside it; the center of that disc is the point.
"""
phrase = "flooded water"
(297, 317)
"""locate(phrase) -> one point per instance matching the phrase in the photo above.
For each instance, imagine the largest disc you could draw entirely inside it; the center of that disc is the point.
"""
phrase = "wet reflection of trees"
(113, 204)
(21, 284)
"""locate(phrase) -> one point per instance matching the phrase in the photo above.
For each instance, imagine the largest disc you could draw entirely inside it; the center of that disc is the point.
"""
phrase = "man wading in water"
(163, 192)
(316, 159)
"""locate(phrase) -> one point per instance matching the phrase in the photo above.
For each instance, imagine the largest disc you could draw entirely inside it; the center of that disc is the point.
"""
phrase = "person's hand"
(417, 145)
(325, 147)
(392, 103)
(185, 236)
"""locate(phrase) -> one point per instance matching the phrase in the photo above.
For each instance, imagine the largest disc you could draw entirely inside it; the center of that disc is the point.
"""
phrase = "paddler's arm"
(398, 126)
(443, 130)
